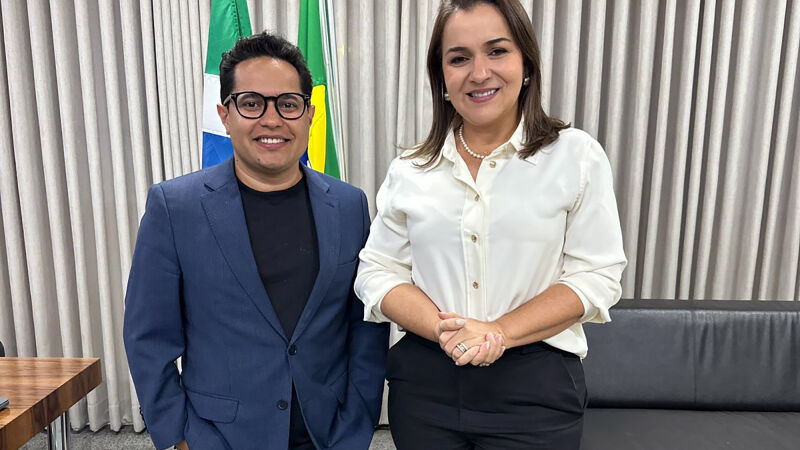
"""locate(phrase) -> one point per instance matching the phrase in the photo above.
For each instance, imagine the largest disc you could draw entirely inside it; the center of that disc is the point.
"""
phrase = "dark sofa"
(670, 374)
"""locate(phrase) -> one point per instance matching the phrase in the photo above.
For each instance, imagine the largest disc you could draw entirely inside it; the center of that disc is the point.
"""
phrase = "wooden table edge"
(49, 408)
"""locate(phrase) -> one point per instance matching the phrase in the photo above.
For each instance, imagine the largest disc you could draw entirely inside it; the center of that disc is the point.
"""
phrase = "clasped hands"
(469, 341)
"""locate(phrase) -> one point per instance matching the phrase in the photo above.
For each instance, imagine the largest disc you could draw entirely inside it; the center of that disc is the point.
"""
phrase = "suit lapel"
(223, 207)
(325, 207)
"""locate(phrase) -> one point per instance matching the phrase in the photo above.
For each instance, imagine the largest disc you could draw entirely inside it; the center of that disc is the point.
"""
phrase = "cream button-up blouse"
(481, 248)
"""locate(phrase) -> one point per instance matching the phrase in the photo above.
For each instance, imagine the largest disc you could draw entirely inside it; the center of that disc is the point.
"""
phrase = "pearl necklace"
(466, 147)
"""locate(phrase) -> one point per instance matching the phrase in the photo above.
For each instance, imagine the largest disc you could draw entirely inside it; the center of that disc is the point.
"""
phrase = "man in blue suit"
(245, 270)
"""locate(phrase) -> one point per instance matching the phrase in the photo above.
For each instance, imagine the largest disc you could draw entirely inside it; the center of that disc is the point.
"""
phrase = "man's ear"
(311, 110)
(223, 116)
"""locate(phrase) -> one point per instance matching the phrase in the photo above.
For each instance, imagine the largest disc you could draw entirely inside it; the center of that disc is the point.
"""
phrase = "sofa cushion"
(664, 429)
(723, 355)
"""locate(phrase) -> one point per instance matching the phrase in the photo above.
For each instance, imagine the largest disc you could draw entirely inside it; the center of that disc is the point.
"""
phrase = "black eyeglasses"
(252, 105)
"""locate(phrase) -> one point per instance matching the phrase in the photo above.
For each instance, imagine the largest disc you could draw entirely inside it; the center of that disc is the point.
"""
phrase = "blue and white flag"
(230, 22)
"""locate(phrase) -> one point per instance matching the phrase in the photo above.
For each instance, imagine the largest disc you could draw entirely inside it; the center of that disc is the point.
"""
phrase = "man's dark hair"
(256, 46)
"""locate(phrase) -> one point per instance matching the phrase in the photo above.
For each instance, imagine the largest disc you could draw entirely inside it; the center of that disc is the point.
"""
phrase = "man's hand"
(182, 445)
(483, 340)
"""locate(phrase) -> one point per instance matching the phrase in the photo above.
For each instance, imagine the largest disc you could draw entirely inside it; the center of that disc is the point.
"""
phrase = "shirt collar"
(450, 153)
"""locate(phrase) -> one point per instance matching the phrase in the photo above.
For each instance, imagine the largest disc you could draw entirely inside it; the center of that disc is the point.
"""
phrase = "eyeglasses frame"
(267, 100)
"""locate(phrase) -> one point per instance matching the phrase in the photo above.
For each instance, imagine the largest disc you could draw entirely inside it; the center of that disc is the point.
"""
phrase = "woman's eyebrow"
(486, 44)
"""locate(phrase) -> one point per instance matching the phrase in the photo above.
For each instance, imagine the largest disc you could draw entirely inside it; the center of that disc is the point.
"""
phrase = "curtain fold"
(696, 102)
(782, 222)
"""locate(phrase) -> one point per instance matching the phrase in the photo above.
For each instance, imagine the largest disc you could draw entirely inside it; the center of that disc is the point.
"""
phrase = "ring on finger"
(484, 365)
(461, 346)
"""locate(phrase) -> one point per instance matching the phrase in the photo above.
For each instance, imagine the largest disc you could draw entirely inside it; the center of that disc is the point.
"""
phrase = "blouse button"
(474, 238)
(492, 164)
(475, 284)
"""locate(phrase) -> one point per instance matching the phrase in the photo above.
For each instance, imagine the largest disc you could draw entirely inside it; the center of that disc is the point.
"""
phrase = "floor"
(127, 439)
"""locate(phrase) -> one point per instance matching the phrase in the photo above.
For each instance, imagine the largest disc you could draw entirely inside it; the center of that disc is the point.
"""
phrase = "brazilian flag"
(321, 147)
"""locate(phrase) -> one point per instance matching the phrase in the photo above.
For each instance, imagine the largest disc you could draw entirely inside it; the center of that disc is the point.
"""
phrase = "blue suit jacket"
(194, 291)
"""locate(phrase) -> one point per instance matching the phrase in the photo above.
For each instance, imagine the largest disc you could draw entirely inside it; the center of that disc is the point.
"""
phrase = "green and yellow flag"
(321, 146)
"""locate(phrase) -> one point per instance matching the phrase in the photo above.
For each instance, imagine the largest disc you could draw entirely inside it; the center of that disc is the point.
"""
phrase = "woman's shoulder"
(575, 138)
(573, 143)
(574, 148)
(407, 163)
(582, 146)
(405, 155)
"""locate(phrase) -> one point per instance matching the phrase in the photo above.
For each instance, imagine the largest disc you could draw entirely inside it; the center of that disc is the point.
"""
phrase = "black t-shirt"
(284, 241)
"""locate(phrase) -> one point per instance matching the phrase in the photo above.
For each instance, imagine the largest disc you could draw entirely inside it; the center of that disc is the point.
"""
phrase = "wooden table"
(39, 390)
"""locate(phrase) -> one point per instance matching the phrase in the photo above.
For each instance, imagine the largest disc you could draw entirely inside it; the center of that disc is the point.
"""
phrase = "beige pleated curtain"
(696, 103)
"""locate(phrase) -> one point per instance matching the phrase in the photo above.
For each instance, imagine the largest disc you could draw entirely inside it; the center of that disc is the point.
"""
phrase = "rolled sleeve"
(386, 257)
(593, 254)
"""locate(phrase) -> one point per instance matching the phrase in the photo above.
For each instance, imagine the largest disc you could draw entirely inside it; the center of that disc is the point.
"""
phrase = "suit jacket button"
(282, 404)
(292, 350)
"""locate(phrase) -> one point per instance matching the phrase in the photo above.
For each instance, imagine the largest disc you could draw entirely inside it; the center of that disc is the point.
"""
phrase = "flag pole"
(334, 101)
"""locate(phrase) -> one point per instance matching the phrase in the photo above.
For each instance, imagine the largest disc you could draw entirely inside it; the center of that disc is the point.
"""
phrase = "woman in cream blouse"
(495, 239)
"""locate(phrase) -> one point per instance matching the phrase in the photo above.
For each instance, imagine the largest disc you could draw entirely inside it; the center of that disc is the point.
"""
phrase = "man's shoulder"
(182, 182)
(193, 183)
